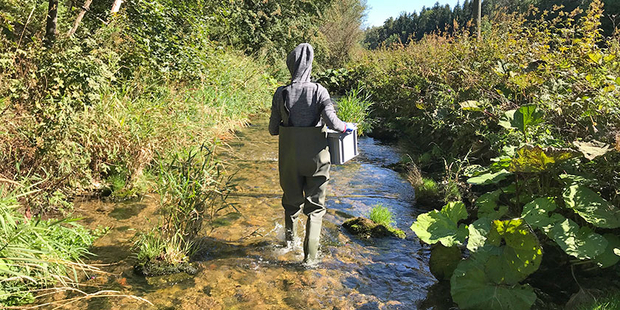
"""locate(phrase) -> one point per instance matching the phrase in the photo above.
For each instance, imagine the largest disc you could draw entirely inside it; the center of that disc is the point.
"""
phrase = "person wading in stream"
(299, 113)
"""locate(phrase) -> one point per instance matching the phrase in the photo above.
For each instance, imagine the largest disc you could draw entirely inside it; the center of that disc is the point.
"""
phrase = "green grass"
(381, 215)
(611, 302)
(354, 107)
(428, 188)
(35, 253)
(117, 181)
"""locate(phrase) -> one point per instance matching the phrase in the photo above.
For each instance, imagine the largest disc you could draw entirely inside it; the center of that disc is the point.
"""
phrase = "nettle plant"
(532, 193)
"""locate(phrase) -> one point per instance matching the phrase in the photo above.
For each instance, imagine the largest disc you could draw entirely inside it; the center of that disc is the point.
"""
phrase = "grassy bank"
(73, 121)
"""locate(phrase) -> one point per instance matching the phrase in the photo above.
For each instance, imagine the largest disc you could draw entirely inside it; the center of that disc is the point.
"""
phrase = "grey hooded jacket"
(308, 104)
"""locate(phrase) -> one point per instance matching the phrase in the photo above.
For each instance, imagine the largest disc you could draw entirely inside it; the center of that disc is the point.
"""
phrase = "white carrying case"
(342, 146)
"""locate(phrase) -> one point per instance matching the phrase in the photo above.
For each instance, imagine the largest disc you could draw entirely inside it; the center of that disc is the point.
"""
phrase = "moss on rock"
(160, 268)
(366, 228)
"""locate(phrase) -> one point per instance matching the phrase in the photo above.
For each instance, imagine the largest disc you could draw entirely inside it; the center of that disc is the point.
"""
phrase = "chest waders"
(304, 164)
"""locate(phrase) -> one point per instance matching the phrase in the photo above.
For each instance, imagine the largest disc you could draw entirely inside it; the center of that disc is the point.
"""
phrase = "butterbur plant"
(536, 203)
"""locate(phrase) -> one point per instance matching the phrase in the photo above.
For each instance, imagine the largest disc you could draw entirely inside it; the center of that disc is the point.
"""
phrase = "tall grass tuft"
(354, 107)
(381, 215)
(192, 190)
(36, 253)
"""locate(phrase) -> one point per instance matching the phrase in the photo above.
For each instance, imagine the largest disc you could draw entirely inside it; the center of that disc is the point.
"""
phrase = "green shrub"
(337, 81)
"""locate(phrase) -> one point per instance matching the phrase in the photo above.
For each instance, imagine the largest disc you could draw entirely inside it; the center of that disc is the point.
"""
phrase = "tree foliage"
(443, 18)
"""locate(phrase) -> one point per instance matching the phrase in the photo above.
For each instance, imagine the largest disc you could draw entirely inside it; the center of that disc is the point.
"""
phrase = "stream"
(242, 263)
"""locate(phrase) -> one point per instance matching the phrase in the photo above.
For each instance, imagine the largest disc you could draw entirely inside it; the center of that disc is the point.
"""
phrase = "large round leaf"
(472, 289)
(444, 260)
(522, 118)
(478, 232)
(608, 258)
(535, 159)
(488, 207)
(521, 255)
(580, 242)
(489, 178)
(435, 226)
(536, 212)
(591, 207)
(455, 211)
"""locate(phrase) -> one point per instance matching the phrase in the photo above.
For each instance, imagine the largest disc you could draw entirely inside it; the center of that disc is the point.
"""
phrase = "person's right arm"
(276, 118)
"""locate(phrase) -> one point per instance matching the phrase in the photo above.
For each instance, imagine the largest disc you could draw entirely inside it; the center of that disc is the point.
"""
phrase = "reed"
(354, 107)
(192, 190)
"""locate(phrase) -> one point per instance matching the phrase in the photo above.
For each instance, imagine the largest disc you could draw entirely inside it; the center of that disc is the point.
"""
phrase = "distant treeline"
(443, 18)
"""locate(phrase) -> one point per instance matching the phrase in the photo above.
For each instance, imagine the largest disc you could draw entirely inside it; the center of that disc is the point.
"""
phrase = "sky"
(379, 10)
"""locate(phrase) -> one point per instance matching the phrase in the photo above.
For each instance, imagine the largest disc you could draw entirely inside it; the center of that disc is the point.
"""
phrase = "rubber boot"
(290, 228)
(313, 235)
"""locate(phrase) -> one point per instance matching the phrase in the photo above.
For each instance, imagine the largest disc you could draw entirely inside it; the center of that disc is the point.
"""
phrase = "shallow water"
(242, 262)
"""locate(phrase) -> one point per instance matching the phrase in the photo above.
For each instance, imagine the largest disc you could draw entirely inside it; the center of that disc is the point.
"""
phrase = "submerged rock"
(366, 228)
(167, 280)
(161, 268)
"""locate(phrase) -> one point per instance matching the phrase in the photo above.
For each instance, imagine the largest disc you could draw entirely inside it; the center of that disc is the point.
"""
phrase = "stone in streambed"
(366, 228)
(161, 268)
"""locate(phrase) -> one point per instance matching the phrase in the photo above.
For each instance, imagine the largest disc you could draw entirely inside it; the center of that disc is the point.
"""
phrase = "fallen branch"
(79, 17)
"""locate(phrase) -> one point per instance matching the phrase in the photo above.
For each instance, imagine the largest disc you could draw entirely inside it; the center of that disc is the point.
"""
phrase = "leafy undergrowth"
(605, 303)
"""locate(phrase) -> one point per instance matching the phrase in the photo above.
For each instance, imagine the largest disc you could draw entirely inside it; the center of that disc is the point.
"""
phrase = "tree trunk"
(479, 20)
(79, 17)
(116, 6)
(52, 22)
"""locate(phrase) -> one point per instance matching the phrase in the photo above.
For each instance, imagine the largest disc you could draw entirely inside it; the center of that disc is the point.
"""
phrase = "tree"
(342, 30)
(52, 22)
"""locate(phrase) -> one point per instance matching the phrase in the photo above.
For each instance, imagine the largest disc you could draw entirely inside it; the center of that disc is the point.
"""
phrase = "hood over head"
(299, 63)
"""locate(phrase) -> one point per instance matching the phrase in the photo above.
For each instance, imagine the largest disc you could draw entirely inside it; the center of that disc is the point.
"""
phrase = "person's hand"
(351, 127)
